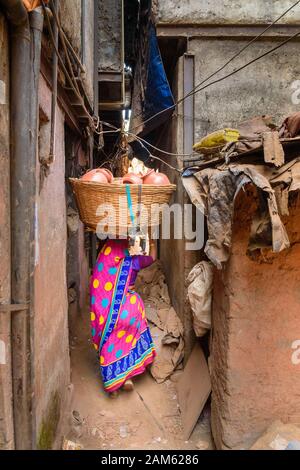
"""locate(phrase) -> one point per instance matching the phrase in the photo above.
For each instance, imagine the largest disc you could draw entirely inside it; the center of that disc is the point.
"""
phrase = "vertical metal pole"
(188, 104)
(36, 24)
(93, 239)
(83, 32)
(54, 85)
(25, 70)
(22, 184)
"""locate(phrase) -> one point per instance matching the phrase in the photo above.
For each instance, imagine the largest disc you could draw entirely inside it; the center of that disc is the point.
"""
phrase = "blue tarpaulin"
(158, 94)
(156, 100)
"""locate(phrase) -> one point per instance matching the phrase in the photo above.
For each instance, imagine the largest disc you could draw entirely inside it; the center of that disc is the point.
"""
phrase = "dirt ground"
(147, 418)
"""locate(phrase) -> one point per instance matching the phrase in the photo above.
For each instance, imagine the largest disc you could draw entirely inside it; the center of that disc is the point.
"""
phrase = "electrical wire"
(74, 88)
(241, 50)
(196, 88)
(158, 149)
(159, 159)
(247, 64)
(65, 48)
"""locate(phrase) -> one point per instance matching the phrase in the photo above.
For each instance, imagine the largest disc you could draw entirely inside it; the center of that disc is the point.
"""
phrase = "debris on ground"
(193, 390)
(165, 325)
(203, 445)
(278, 436)
(293, 445)
(147, 418)
(70, 445)
(123, 431)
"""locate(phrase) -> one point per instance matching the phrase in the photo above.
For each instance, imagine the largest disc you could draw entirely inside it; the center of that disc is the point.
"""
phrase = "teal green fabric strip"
(129, 202)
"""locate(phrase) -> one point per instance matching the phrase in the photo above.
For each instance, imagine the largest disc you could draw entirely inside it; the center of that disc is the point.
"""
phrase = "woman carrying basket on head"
(119, 326)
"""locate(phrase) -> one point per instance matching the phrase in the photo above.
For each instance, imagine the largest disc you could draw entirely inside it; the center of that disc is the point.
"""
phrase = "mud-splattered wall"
(255, 371)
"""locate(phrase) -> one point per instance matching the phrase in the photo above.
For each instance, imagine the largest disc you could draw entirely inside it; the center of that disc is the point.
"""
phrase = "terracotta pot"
(107, 173)
(151, 170)
(131, 178)
(159, 179)
(95, 175)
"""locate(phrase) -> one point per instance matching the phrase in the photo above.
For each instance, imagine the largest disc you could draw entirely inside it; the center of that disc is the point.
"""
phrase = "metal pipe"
(36, 24)
(83, 31)
(16, 13)
(54, 85)
(20, 214)
(25, 67)
(6, 406)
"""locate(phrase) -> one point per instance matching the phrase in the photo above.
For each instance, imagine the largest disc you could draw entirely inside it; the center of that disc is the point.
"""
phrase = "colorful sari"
(120, 331)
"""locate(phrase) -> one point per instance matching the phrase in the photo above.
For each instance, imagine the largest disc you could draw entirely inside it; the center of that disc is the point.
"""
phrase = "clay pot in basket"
(131, 178)
(95, 176)
(158, 179)
(107, 173)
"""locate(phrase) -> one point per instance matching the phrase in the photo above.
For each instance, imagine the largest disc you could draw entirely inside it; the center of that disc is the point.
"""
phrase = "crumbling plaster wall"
(255, 369)
(256, 90)
(110, 35)
(70, 16)
(50, 336)
(222, 12)
(89, 47)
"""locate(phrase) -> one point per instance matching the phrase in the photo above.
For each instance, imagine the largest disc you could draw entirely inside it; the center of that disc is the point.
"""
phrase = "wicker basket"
(114, 216)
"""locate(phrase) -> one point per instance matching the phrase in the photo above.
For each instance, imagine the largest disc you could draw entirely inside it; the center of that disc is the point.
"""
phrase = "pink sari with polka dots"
(119, 326)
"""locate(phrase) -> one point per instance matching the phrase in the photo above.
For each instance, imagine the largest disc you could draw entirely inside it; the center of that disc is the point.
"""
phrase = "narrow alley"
(149, 229)
(147, 418)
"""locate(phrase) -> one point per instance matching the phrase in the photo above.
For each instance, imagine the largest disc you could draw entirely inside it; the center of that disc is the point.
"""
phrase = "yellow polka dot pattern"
(93, 316)
(129, 339)
(108, 286)
(121, 334)
(102, 360)
(107, 251)
(101, 320)
(133, 300)
(134, 342)
(96, 284)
